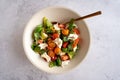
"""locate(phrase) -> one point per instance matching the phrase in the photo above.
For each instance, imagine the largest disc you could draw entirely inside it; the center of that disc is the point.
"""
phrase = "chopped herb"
(58, 62)
(38, 29)
(71, 54)
(37, 36)
(33, 46)
(65, 39)
(65, 50)
(71, 25)
(37, 49)
(48, 31)
(52, 64)
(46, 23)
(42, 51)
(70, 47)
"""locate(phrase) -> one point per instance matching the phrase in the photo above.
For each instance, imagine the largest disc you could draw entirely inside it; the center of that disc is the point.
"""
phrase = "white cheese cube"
(43, 45)
(73, 36)
(44, 55)
(56, 26)
(75, 48)
(59, 42)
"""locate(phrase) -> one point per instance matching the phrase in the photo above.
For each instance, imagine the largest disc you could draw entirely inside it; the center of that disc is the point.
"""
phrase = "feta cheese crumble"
(59, 42)
(44, 55)
(43, 45)
(73, 36)
(56, 26)
(75, 48)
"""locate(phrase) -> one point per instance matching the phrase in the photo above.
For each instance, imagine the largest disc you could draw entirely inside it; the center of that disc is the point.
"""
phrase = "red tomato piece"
(61, 26)
(40, 41)
(54, 58)
(49, 48)
(65, 44)
(64, 57)
(55, 35)
(75, 42)
(76, 30)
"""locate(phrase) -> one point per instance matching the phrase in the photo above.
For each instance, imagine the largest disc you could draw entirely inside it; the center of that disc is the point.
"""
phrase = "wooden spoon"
(87, 16)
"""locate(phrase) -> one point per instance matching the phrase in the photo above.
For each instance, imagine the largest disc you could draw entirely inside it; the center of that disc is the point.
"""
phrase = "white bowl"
(59, 14)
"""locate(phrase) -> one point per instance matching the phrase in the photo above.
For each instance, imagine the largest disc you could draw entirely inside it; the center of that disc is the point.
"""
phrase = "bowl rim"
(89, 34)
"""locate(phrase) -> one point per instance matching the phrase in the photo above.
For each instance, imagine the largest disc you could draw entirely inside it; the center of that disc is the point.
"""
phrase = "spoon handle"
(87, 16)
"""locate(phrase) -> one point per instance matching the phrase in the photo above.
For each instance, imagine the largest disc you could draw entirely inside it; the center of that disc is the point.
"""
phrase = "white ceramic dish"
(59, 14)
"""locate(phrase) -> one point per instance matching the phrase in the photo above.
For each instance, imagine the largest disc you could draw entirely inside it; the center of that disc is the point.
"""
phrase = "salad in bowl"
(55, 42)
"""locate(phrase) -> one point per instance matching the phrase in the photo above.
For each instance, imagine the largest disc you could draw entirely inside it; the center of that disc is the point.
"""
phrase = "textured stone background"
(102, 61)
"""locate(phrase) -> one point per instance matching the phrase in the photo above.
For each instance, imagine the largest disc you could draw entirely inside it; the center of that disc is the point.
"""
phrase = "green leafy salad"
(56, 43)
